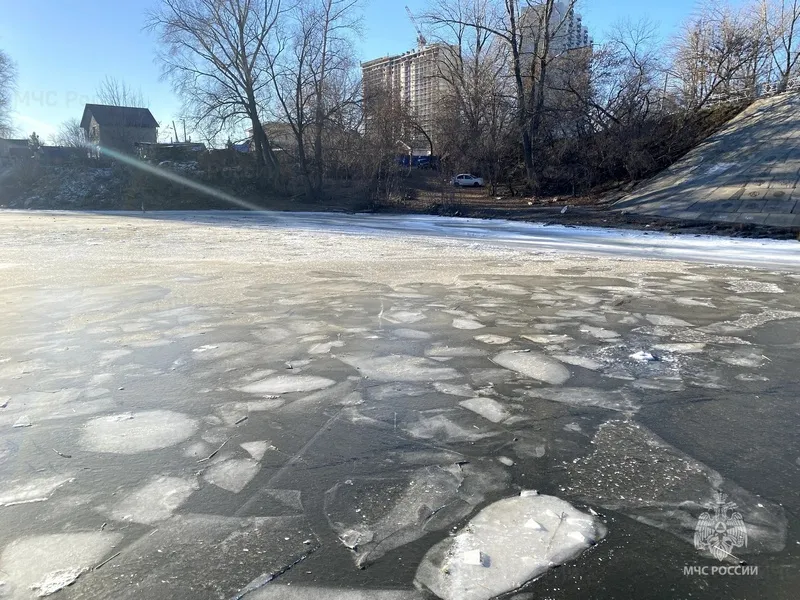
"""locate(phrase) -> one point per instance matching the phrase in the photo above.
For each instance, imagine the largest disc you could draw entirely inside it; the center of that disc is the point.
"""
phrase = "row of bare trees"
(8, 76)
(523, 98)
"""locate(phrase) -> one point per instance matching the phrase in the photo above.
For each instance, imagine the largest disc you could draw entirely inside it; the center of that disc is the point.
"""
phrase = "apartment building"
(410, 79)
(566, 28)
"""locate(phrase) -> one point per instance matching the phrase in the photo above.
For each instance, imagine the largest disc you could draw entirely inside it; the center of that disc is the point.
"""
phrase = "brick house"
(119, 127)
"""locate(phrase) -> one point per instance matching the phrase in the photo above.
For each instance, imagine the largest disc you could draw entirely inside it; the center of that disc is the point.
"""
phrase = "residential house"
(8, 146)
(119, 127)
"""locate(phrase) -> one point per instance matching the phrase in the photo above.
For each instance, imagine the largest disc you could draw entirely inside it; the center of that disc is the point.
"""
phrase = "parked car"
(467, 180)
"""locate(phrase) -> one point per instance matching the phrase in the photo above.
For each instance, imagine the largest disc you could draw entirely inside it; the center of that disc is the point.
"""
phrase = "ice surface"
(285, 384)
(399, 367)
(31, 490)
(534, 365)
(497, 340)
(404, 316)
(232, 475)
(411, 334)
(599, 332)
(461, 323)
(512, 554)
(375, 516)
(453, 351)
(487, 408)
(155, 501)
(256, 449)
(685, 348)
(32, 566)
(130, 433)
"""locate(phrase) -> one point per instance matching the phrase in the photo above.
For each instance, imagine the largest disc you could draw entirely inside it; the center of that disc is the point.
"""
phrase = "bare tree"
(717, 55)
(115, 92)
(8, 77)
(70, 134)
(313, 78)
(781, 23)
(533, 31)
(217, 53)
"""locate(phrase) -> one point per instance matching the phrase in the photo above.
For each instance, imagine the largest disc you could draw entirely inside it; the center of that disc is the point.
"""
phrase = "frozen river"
(276, 405)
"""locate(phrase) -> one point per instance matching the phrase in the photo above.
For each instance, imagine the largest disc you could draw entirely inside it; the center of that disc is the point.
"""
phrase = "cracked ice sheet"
(284, 384)
(33, 565)
(232, 552)
(634, 471)
(514, 541)
(375, 516)
(232, 475)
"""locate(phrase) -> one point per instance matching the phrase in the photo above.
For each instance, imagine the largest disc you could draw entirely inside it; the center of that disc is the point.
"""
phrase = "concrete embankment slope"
(746, 173)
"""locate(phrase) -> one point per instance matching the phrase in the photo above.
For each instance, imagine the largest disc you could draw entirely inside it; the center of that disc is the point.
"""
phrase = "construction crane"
(421, 41)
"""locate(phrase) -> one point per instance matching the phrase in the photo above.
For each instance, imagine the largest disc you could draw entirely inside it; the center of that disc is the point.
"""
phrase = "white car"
(467, 180)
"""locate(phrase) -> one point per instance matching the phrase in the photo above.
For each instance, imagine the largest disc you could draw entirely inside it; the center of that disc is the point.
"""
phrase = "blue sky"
(64, 48)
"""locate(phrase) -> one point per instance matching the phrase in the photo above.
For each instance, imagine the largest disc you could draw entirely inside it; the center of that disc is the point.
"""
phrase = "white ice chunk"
(325, 347)
(399, 367)
(487, 408)
(232, 475)
(155, 501)
(284, 384)
(667, 321)
(404, 316)
(506, 461)
(256, 449)
(533, 524)
(453, 389)
(23, 421)
(442, 427)
(35, 566)
(643, 356)
(130, 433)
(743, 286)
(599, 332)
(518, 553)
(534, 365)
(497, 340)
(411, 334)
(473, 557)
(461, 323)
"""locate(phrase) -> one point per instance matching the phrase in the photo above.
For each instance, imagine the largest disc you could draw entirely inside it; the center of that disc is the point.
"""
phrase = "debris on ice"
(516, 554)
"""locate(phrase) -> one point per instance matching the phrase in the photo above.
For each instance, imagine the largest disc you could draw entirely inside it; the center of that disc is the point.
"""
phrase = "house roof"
(117, 116)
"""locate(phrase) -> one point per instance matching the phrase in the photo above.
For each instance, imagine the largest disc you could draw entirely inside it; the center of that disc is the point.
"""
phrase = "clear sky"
(64, 48)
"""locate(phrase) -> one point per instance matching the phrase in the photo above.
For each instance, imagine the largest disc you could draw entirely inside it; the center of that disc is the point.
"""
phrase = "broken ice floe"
(453, 389)
(462, 323)
(579, 361)
(399, 367)
(534, 365)
(232, 475)
(375, 516)
(285, 384)
(155, 501)
(516, 540)
(634, 471)
(487, 408)
(667, 321)
(599, 332)
(41, 565)
(129, 433)
(497, 340)
(615, 400)
(256, 449)
(440, 427)
(32, 490)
